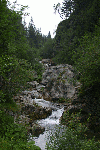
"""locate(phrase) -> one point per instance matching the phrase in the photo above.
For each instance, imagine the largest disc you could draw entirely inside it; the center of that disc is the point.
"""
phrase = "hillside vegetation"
(17, 67)
(77, 42)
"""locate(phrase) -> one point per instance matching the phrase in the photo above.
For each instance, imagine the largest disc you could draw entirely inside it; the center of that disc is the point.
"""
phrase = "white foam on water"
(49, 123)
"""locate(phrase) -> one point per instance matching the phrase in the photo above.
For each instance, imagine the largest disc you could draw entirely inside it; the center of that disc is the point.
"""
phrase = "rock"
(36, 94)
(28, 109)
(15, 98)
(41, 113)
(36, 129)
(34, 112)
(32, 96)
(58, 82)
(33, 83)
(46, 61)
(28, 112)
(22, 119)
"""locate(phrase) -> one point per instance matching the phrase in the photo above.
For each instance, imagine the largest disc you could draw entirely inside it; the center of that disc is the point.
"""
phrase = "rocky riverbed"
(56, 86)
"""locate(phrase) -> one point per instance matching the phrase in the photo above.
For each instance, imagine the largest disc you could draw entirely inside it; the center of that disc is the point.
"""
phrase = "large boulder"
(58, 81)
(35, 112)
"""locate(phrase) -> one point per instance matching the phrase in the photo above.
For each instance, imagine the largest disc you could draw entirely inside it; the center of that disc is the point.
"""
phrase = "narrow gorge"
(42, 107)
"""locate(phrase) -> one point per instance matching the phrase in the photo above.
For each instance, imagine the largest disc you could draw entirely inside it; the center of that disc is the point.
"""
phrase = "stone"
(33, 83)
(36, 129)
(28, 109)
(58, 82)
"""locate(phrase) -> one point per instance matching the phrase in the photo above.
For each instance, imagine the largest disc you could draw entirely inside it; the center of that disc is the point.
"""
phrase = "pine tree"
(49, 35)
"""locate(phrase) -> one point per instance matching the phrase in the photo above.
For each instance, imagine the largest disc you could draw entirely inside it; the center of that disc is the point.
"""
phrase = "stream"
(50, 123)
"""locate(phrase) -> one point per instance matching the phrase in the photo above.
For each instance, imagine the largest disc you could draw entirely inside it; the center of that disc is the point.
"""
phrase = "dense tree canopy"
(82, 20)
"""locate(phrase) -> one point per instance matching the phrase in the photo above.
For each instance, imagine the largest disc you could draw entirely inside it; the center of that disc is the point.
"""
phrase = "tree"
(15, 72)
(47, 50)
(82, 20)
(87, 61)
(6, 27)
(31, 33)
(49, 35)
(68, 6)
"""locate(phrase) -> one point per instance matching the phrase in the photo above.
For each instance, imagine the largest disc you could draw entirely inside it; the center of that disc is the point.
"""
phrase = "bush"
(87, 60)
(16, 138)
(14, 73)
(47, 50)
(12, 135)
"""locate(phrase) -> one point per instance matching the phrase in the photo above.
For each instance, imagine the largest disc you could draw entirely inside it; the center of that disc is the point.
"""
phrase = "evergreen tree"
(47, 50)
(49, 35)
(31, 34)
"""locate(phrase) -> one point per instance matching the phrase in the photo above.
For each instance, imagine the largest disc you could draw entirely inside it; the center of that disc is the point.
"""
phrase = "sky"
(43, 15)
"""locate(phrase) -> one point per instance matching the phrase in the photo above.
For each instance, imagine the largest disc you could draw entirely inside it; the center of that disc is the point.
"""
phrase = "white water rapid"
(49, 123)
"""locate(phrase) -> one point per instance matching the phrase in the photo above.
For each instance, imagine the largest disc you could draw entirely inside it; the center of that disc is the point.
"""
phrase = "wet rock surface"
(30, 111)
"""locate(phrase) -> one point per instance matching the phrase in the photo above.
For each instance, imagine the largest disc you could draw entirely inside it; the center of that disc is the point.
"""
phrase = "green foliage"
(13, 74)
(47, 50)
(82, 20)
(5, 121)
(65, 42)
(31, 34)
(66, 9)
(77, 43)
(72, 137)
(34, 36)
(16, 61)
(10, 27)
(87, 59)
(14, 136)
(61, 100)
(38, 68)
(49, 35)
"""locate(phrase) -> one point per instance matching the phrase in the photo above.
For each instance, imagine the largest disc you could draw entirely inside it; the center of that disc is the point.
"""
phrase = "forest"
(77, 42)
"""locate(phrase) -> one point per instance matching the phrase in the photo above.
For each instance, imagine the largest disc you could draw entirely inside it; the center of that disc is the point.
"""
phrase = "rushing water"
(49, 123)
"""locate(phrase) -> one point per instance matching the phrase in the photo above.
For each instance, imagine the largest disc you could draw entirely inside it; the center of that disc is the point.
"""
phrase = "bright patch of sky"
(43, 15)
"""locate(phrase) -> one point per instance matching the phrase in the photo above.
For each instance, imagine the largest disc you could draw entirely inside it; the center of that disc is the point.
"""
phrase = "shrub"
(87, 60)
(16, 138)
(14, 73)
